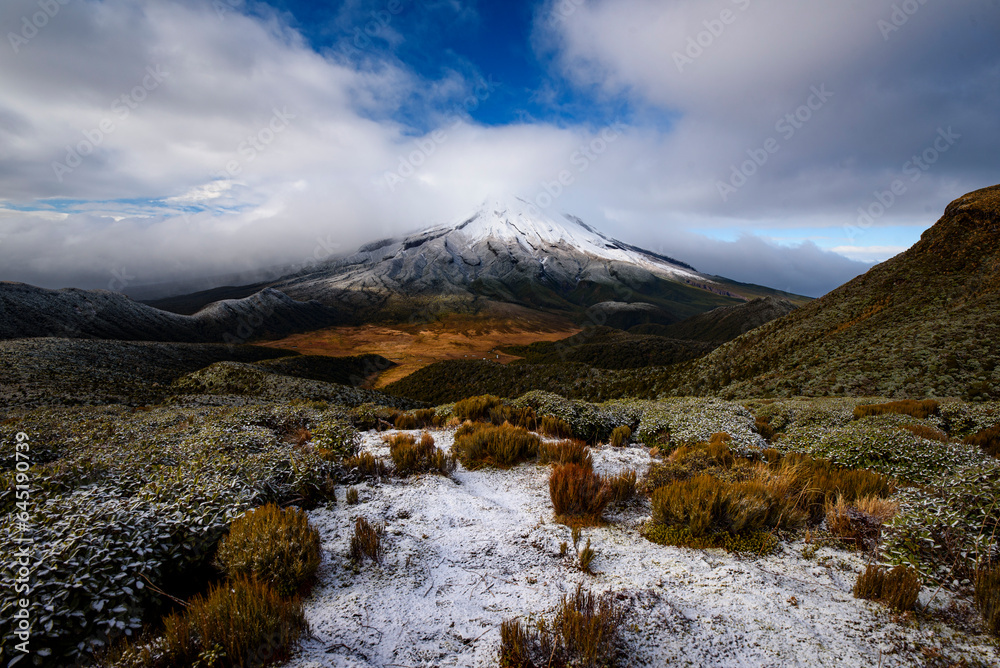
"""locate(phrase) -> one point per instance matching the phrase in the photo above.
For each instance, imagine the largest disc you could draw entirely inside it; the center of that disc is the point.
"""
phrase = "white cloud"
(256, 150)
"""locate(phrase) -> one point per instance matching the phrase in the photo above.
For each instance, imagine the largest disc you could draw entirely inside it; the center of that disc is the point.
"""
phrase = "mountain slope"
(508, 251)
(925, 322)
(27, 311)
(724, 323)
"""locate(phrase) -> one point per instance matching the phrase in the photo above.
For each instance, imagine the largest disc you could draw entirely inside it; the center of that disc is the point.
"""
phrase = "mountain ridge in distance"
(924, 323)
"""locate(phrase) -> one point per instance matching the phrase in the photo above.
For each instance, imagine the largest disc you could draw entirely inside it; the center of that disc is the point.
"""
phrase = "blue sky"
(762, 140)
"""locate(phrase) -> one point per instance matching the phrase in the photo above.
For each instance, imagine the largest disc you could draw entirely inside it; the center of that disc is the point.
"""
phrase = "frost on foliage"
(140, 496)
(695, 420)
(945, 530)
(880, 444)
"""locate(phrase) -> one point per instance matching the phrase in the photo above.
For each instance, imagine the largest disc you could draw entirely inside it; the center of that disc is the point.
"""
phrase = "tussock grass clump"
(565, 452)
(500, 446)
(410, 456)
(897, 588)
(238, 624)
(988, 596)
(352, 496)
(930, 433)
(275, 546)
(577, 493)
(918, 409)
(478, 408)
(585, 633)
(622, 487)
(860, 521)
(418, 419)
(555, 427)
(988, 440)
(620, 436)
(366, 542)
(367, 465)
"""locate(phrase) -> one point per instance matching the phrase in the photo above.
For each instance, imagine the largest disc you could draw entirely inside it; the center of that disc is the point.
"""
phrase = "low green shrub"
(272, 545)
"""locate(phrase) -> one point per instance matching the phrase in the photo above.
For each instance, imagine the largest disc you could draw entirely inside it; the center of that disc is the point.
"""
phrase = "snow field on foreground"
(462, 554)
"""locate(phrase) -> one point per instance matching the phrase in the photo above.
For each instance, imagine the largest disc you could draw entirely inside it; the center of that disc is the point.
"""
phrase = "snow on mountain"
(515, 221)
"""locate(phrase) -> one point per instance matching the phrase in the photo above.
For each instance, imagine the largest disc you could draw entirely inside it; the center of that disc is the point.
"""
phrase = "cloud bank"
(171, 139)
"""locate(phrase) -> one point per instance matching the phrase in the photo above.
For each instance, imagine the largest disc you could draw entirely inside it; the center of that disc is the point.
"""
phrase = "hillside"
(27, 311)
(925, 322)
(724, 323)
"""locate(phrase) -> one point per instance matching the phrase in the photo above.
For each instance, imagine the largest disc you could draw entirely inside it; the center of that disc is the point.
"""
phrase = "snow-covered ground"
(465, 553)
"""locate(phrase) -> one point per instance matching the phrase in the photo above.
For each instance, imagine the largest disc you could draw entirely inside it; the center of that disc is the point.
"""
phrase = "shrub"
(620, 436)
(621, 487)
(918, 409)
(584, 633)
(478, 408)
(502, 446)
(409, 456)
(988, 597)
(705, 505)
(366, 541)
(850, 523)
(565, 452)
(519, 416)
(274, 546)
(578, 493)
(762, 425)
(897, 588)
(988, 440)
(406, 421)
(586, 557)
(367, 465)
(239, 623)
(555, 427)
(930, 433)
(418, 419)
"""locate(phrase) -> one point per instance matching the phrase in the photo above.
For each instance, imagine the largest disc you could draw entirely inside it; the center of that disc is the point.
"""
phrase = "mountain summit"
(510, 252)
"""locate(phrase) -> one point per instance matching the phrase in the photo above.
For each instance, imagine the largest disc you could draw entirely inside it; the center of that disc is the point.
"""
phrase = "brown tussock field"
(415, 346)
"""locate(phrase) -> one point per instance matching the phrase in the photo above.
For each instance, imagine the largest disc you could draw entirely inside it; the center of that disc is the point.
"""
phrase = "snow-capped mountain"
(510, 251)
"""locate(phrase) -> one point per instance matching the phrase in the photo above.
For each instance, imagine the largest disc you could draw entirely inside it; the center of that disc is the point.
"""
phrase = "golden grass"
(415, 346)
(918, 409)
(578, 494)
